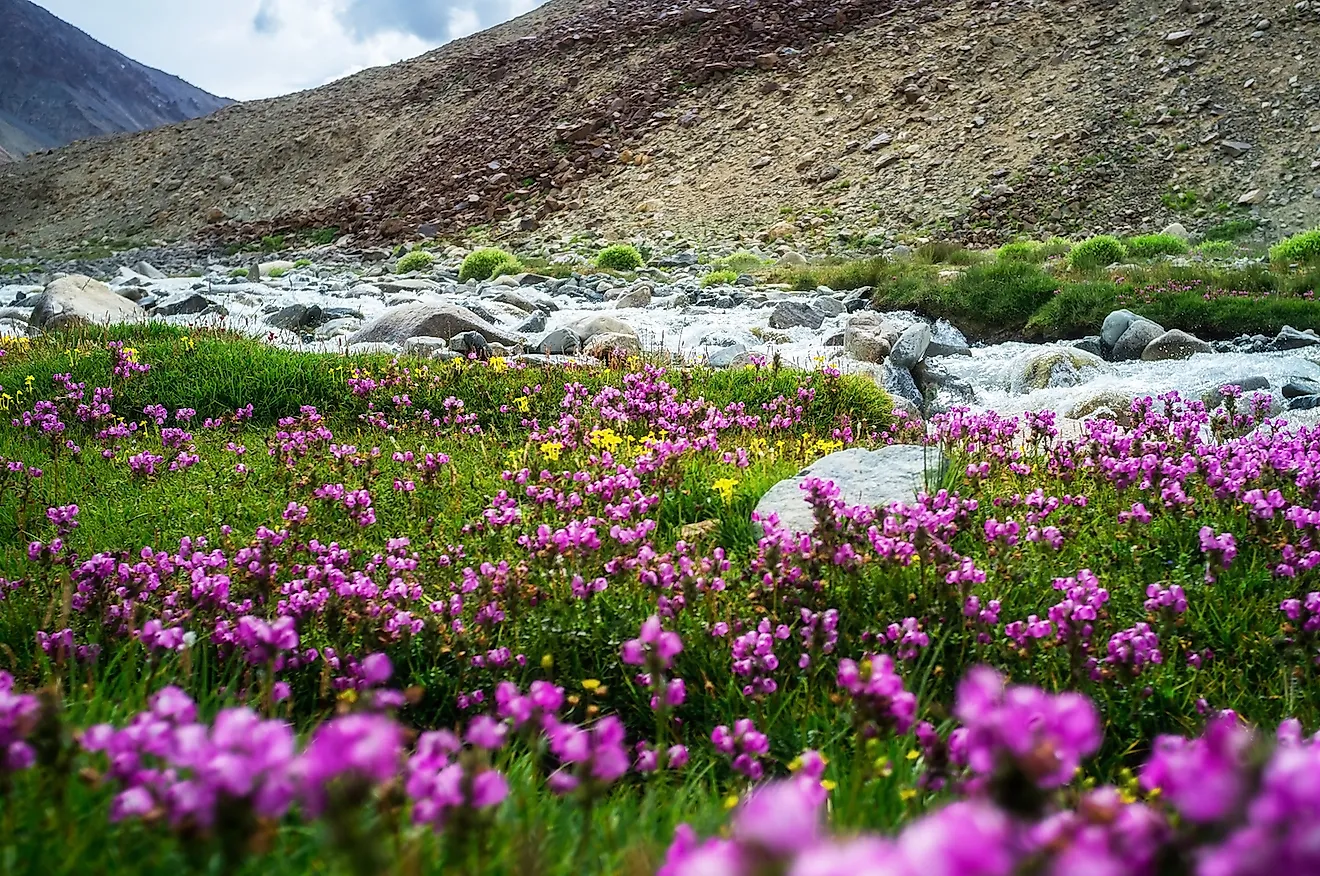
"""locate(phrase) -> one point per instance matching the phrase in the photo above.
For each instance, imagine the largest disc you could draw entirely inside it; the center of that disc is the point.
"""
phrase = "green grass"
(417, 260)
(741, 262)
(719, 278)
(1301, 248)
(1231, 229)
(620, 257)
(1096, 252)
(485, 263)
(1145, 246)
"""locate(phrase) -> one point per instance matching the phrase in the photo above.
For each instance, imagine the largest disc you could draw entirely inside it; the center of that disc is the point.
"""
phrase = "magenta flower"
(653, 644)
(360, 748)
(878, 696)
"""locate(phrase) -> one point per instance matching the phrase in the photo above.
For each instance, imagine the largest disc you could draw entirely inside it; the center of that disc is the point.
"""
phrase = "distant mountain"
(57, 85)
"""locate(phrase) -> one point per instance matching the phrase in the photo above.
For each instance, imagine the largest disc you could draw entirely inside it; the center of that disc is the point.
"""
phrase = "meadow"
(274, 612)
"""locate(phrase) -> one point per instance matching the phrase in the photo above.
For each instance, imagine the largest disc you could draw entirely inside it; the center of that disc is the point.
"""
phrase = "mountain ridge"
(59, 85)
(733, 118)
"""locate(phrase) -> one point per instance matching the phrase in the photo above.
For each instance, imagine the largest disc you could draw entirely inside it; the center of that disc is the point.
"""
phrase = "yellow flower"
(913, 754)
(523, 403)
(829, 784)
(552, 449)
(724, 486)
(730, 801)
(825, 448)
(498, 365)
(605, 439)
(907, 794)
(547, 661)
(590, 685)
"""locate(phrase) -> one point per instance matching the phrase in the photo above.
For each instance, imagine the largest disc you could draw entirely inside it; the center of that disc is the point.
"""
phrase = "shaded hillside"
(57, 85)
(844, 116)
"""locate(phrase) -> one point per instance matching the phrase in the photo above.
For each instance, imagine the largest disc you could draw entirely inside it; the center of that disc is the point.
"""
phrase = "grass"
(1301, 249)
(484, 263)
(1146, 246)
(719, 278)
(634, 455)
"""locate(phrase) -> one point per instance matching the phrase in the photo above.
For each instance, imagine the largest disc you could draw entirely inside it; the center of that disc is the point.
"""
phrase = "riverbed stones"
(947, 340)
(1290, 338)
(1114, 326)
(80, 299)
(868, 338)
(560, 342)
(419, 319)
(589, 327)
(1174, 344)
(872, 478)
(424, 347)
(1052, 367)
(796, 314)
(1135, 340)
(911, 346)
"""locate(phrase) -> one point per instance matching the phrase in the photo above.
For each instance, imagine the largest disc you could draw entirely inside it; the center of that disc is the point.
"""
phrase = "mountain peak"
(58, 85)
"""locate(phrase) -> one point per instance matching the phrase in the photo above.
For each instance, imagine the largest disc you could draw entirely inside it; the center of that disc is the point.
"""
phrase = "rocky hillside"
(721, 118)
(57, 85)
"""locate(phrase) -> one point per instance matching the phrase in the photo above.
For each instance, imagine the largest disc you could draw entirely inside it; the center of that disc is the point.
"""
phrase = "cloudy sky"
(247, 49)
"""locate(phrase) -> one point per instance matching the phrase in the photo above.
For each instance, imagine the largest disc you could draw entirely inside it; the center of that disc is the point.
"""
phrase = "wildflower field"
(272, 612)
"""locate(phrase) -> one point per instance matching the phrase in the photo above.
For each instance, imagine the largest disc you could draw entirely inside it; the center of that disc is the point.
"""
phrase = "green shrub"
(1231, 229)
(1002, 294)
(1055, 246)
(720, 278)
(740, 262)
(839, 277)
(1096, 252)
(483, 264)
(276, 273)
(619, 257)
(272, 242)
(417, 260)
(238, 272)
(1026, 251)
(1216, 249)
(322, 236)
(303, 263)
(1145, 246)
(1301, 248)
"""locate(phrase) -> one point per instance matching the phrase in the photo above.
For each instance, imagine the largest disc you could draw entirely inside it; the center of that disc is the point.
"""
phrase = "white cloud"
(248, 49)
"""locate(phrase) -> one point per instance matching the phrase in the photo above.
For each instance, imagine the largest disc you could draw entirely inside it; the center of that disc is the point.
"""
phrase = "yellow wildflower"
(730, 801)
(724, 486)
(605, 439)
(552, 449)
(523, 403)
(547, 661)
(590, 685)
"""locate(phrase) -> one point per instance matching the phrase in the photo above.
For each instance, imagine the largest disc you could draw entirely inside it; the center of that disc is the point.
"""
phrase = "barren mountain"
(57, 85)
(726, 117)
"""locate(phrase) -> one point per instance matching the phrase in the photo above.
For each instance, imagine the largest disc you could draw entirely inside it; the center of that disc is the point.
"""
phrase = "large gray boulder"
(947, 340)
(1051, 367)
(1115, 324)
(589, 327)
(1290, 338)
(1135, 340)
(868, 338)
(911, 346)
(415, 320)
(874, 478)
(794, 314)
(78, 299)
(1175, 344)
(639, 297)
(560, 342)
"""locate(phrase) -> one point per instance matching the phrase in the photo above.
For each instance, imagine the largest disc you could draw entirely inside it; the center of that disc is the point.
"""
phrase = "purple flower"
(652, 644)
(362, 747)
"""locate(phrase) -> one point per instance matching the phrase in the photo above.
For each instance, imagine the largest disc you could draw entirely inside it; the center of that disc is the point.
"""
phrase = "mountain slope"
(57, 85)
(977, 119)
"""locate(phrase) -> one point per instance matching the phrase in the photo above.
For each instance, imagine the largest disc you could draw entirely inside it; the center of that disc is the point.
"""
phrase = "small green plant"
(322, 236)
(238, 272)
(276, 273)
(417, 260)
(1055, 246)
(1145, 246)
(943, 252)
(1179, 202)
(1096, 252)
(740, 262)
(719, 278)
(619, 257)
(272, 243)
(1231, 229)
(303, 263)
(1301, 249)
(485, 263)
(1216, 249)
(1026, 251)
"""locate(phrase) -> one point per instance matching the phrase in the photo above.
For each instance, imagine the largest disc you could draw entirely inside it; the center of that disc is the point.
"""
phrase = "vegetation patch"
(484, 263)
(1096, 252)
(1145, 246)
(417, 260)
(619, 257)
(719, 278)
(1301, 248)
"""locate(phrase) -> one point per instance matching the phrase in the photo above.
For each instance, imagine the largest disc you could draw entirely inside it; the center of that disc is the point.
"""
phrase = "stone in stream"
(1174, 344)
(873, 478)
(900, 382)
(405, 321)
(1134, 341)
(794, 314)
(868, 338)
(1118, 406)
(1115, 325)
(1300, 386)
(609, 345)
(182, 304)
(829, 306)
(1089, 344)
(1051, 367)
(589, 327)
(1246, 385)
(560, 342)
(533, 324)
(1290, 338)
(468, 343)
(424, 347)
(1304, 403)
(148, 270)
(639, 297)
(947, 340)
(79, 299)
(911, 346)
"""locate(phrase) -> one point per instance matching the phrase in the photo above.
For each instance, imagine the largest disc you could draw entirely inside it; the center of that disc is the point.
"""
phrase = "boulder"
(1051, 367)
(1304, 403)
(723, 358)
(589, 327)
(639, 297)
(869, 338)
(532, 324)
(1134, 341)
(1246, 385)
(791, 259)
(297, 316)
(265, 268)
(560, 342)
(424, 347)
(148, 270)
(829, 306)
(182, 304)
(1090, 344)
(607, 345)
(79, 299)
(1178, 230)
(899, 382)
(471, 343)
(1174, 344)
(873, 478)
(795, 314)
(1300, 386)
(1117, 406)
(1290, 338)
(1115, 324)
(405, 321)
(947, 340)
(911, 346)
